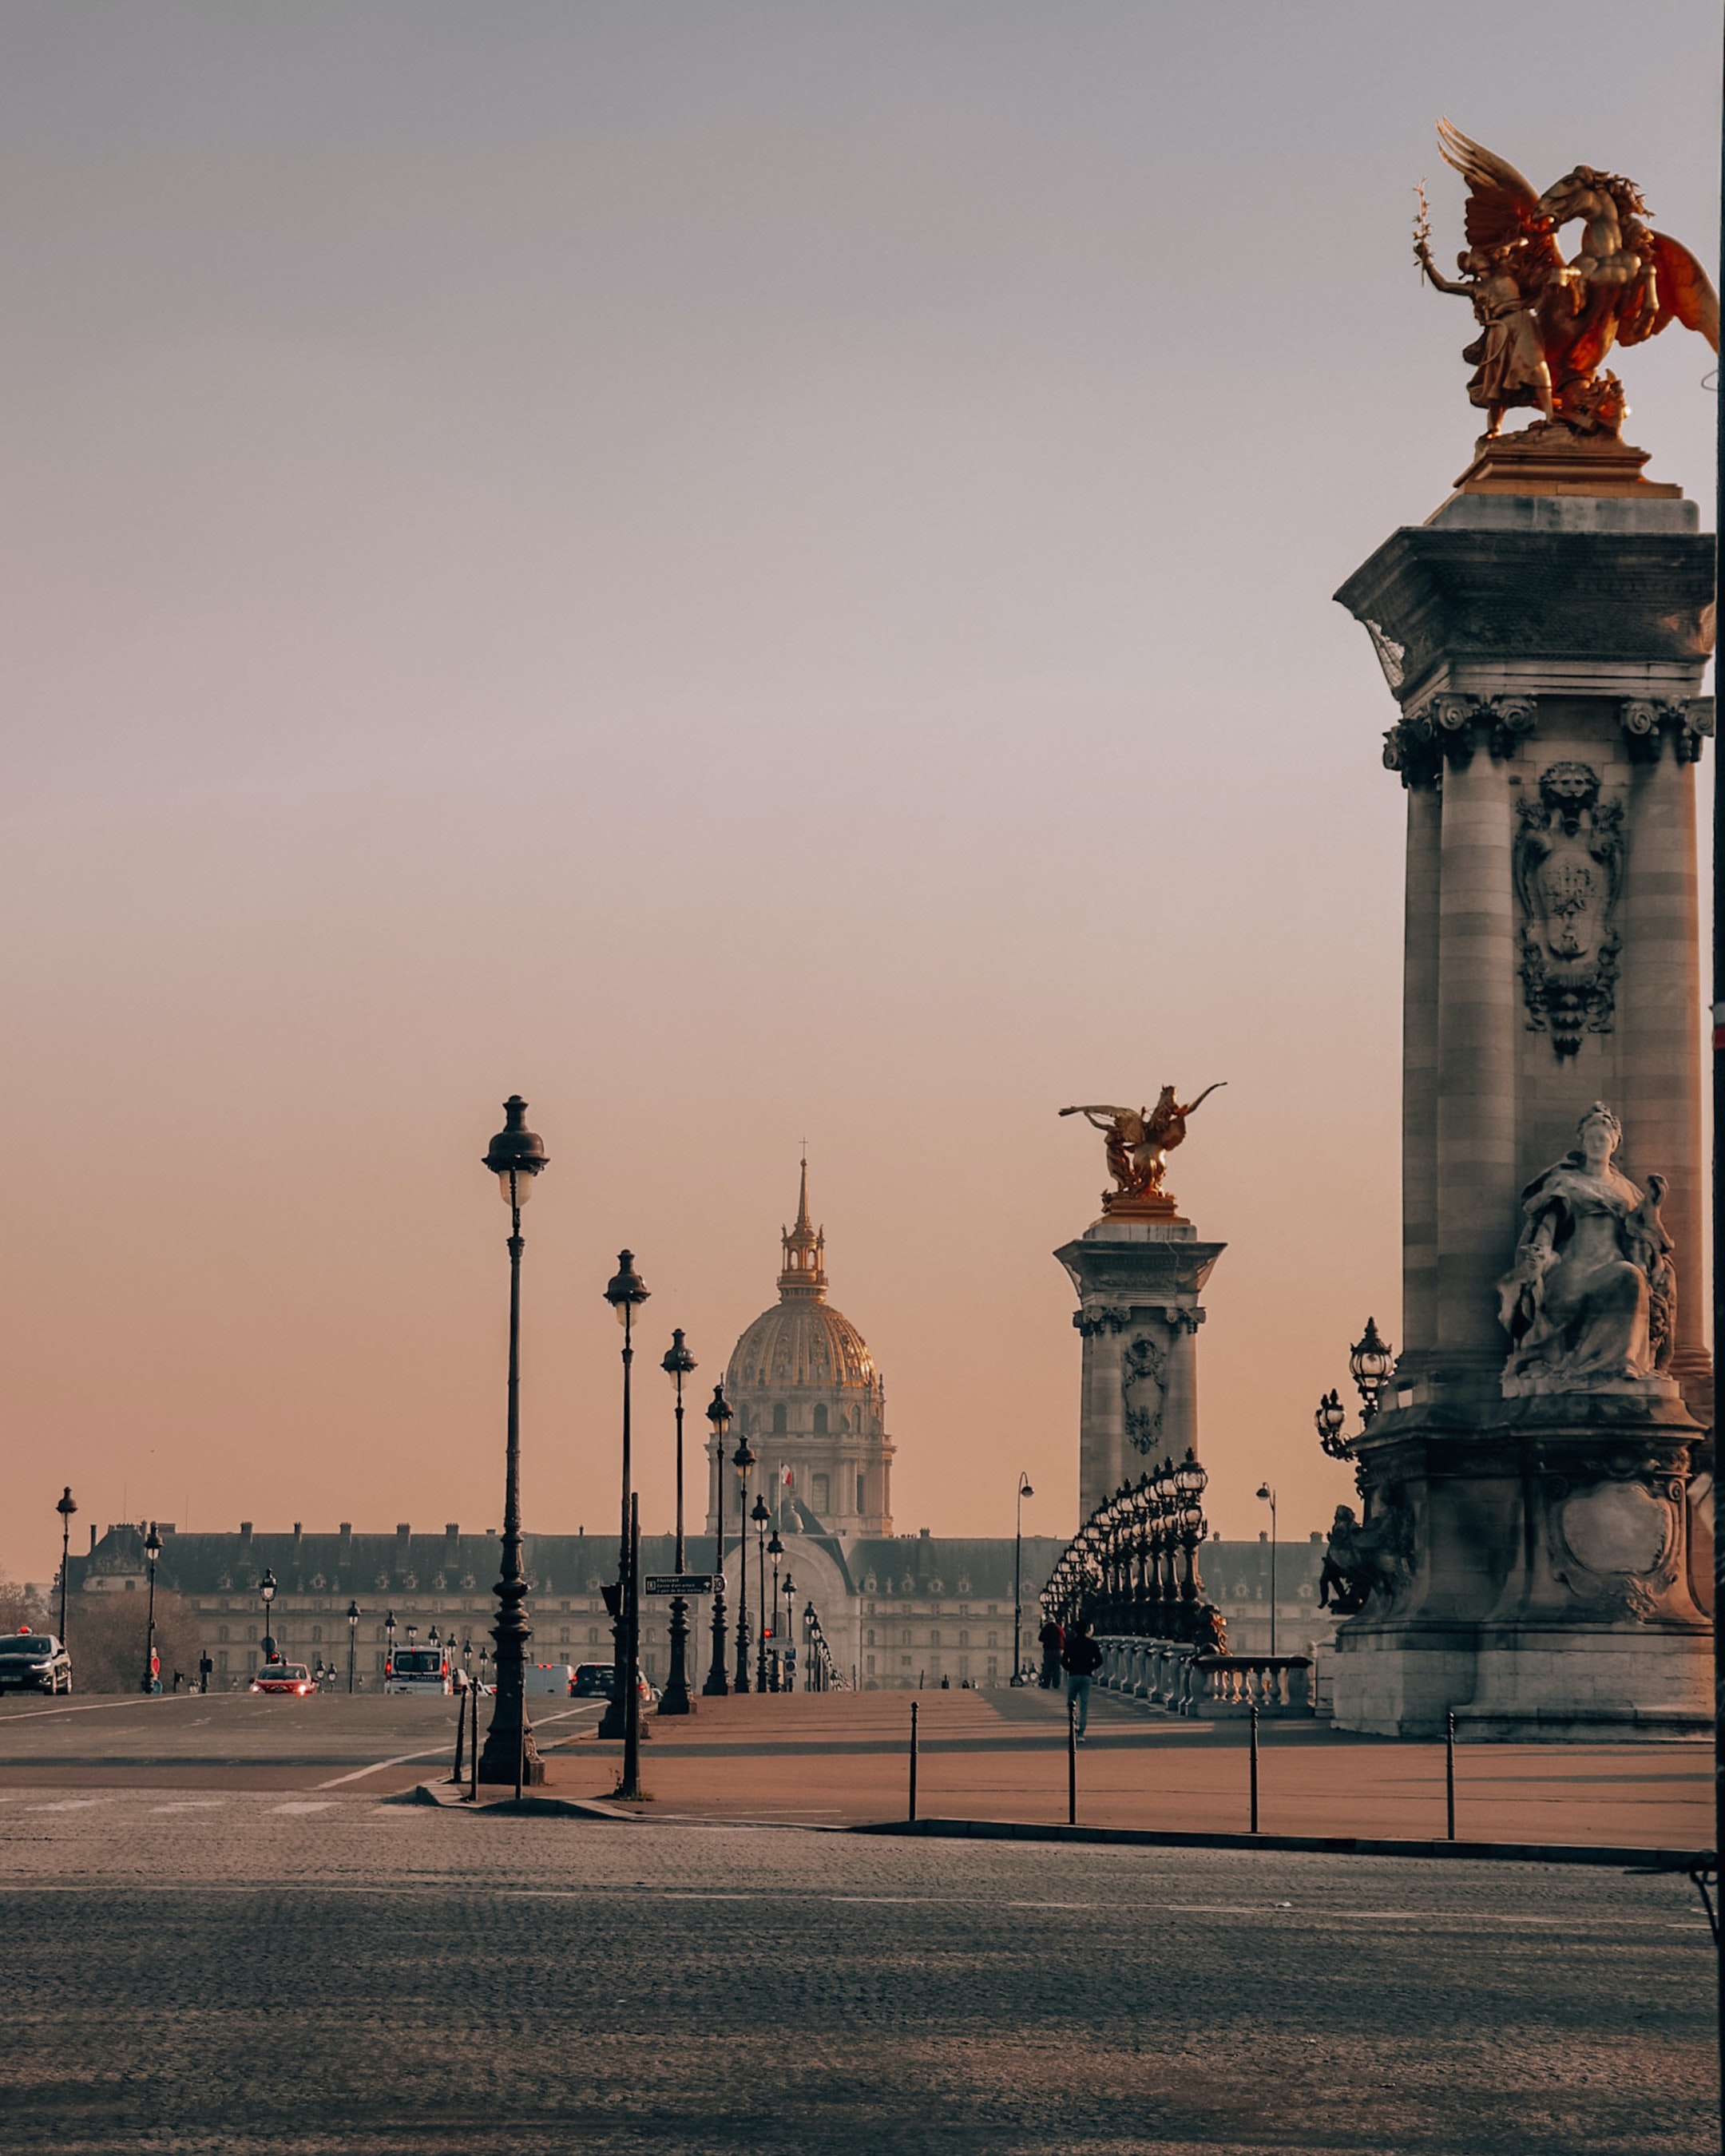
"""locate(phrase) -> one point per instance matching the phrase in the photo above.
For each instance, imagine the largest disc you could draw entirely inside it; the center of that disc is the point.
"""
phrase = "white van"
(418, 1669)
(547, 1677)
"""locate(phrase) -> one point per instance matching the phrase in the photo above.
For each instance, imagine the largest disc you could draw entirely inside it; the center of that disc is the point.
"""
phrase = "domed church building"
(804, 1391)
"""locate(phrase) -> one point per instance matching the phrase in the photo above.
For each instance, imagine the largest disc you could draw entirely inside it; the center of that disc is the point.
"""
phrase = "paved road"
(323, 1974)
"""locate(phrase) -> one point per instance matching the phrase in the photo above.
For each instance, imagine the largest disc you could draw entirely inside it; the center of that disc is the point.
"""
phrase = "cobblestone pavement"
(324, 1974)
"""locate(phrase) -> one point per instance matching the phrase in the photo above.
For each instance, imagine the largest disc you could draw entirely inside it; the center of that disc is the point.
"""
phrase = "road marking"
(434, 1752)
(191, 1805)
(327, 1805)
(90, 1706)
(72, 1804)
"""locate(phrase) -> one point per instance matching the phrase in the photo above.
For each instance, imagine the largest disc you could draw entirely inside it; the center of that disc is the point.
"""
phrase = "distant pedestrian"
(1083, 1658)
(178, 1681)
(205, 1665)
(946, 1684)
(1052, 1638)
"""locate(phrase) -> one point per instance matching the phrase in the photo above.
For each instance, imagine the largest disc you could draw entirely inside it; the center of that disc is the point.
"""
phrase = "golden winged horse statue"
(1546, 324)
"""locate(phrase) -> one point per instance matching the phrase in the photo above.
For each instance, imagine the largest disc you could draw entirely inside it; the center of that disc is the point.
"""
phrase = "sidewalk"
(841, 1759)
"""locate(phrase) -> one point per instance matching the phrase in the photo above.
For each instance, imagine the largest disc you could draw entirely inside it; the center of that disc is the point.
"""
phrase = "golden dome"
(802, 1340)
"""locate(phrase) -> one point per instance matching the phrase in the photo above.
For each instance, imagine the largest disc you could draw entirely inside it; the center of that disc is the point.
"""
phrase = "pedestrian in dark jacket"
(1083, 1658)
(1052, 1638)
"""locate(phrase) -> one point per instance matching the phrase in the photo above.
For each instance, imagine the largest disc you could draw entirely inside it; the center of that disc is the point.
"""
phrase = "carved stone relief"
(1143, 1392)
(1686, 721)
(1568, 870)
(1447, 729)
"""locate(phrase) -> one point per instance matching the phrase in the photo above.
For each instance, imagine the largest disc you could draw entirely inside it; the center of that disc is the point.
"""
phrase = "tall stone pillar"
(1138, 1282)
(1525, 1556)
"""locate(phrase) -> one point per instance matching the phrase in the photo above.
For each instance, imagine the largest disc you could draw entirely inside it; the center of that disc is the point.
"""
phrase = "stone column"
(1420, 1075)
(1475, 1118)
(1660, 1012)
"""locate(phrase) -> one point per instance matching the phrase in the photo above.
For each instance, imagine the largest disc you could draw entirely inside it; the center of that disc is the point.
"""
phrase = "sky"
(750, 573)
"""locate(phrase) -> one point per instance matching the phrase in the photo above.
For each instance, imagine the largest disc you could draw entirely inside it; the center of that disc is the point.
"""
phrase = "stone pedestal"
(1531, 1541)
(1138, 1282)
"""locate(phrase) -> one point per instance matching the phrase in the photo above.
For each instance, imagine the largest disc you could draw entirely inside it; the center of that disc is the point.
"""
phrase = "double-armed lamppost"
(66, 1508)
(742, 1460)
(1018, 1573)
(516, 1156)
(1267, 1495)
(718, 1414)
(625, 1292)
(266, 1590)
(1370, 1361)
(353, 1615)
(678, 1362)
(153, 1554)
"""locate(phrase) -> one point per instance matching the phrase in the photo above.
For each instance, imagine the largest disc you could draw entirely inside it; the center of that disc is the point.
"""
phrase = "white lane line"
(437, 1750)
(90, 1706)
(72, 1804)
(191, 1805)
(327, 1805)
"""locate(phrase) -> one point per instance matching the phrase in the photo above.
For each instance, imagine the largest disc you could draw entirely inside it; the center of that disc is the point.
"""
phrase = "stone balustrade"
(1173, 1675)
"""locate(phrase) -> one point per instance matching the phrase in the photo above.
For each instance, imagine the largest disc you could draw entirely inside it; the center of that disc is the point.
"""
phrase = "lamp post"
(389, 1644)
(775, 1550)
(1329, 1419)
(1018, 1572)
(516, 1156)
(266, 1589)
(742, 1460)
(718, 1413)
(789, 1678)
(625, 1292)
(1268, 1496)
(1370, 1361)
(66, 1508)
(352, 1642)
(678, 1362)
(152, 1553)
(760, 1514)
(412, 1637)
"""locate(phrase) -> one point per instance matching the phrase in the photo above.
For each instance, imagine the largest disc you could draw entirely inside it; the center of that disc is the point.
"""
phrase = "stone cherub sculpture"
(1546, 325)
(1139, 1140)
(1592, 1296)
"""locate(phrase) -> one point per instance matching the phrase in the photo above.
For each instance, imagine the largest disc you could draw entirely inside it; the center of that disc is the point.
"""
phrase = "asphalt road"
(309, 1972)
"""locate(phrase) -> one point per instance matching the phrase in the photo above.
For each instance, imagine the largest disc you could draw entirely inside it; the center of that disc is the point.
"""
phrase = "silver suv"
(34, 1661)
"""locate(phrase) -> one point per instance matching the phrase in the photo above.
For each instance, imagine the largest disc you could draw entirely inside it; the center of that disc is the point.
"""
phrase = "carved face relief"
(1568, 869)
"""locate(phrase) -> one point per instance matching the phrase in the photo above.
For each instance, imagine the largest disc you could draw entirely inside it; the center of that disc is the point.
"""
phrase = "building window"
(964, 1638)
(251, 1659)
(380, 1636)
(780, 1425)
(221, 1632)
(934, 1639)
(222, 1661)
(964, 1666)
(862, 1493)
(251, 1631)
(820, 1419)
(593, 1636)
(870, 1640)
(564, 1631)
(992, 1641)
(904, 1661)
(905, 1640)
(821, 1492)
(317, 1629)
(993, 1666)
(869, 1665)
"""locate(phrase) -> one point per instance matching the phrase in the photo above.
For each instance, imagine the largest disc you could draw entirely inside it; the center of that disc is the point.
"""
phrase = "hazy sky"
(742, 571)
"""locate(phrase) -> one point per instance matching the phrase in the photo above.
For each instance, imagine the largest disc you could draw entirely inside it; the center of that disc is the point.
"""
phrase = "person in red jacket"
(1083, 1658)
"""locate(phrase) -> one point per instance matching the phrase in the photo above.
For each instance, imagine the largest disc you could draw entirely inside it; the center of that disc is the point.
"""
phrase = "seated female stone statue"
(1591, 1296)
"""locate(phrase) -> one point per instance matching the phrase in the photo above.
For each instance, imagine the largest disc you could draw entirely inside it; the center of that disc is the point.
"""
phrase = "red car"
(284, 1676)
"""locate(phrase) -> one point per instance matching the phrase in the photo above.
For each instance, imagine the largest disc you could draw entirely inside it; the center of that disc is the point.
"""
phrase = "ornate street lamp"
(152, 1553)
(266, 1589)
(389, 1644)
(1370, 1361)
(66, 1508)
(1018, 1573)
(775, 1550)
(761, 1516)
(677, 1365)
(742, 1460)
(1329, 1420)
(517, 1157)
(808, 1646)
(353, 1615)
(1267, 1495)
(718, 1414)
(412, 1637)
(788, 1674)
(625, 1292)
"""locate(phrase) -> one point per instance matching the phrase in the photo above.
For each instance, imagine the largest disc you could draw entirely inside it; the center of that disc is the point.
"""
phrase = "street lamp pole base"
(717, 1686)
(675, 1698)
(503, 1747)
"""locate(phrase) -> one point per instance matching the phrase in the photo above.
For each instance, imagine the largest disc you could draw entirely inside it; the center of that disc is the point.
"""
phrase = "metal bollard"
(913, 1763)
(1071, 1763)
(1450, 1771)
(1254, 1767)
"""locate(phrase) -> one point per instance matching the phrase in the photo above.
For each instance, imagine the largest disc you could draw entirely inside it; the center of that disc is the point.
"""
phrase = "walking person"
(1051, 1639)
(204, 1667)
(1083, 1658)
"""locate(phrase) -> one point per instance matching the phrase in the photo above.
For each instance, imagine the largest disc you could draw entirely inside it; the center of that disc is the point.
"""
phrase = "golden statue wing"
(1502, 204)
(1686, 291)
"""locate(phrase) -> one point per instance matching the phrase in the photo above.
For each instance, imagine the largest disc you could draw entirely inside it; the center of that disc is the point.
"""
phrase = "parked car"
(293, 1677)
(34, 1661)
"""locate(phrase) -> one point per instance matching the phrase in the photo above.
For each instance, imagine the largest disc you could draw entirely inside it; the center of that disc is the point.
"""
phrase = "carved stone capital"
(1101, 1318)
(1649, 721)
(1447, 729)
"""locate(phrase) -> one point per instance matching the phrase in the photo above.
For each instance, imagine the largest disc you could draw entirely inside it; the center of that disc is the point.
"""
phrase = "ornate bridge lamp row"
(1132, 1570)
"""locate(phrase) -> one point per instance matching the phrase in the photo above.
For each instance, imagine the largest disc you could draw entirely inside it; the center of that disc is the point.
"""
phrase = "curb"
(446, 1796)
(1322, 1844)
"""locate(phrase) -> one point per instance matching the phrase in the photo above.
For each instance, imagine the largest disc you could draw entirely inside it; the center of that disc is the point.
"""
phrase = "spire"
(803, 1275)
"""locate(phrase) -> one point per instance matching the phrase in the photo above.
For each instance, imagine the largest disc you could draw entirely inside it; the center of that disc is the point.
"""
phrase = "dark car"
(34, 1661)
(593, 1680)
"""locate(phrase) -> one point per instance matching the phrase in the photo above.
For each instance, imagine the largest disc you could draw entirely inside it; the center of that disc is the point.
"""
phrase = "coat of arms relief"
(1568, 870)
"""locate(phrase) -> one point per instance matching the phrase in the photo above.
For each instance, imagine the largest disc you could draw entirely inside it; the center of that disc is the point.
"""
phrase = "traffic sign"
(680, 1583)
